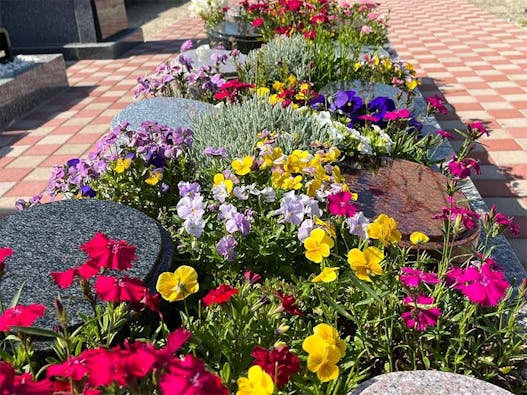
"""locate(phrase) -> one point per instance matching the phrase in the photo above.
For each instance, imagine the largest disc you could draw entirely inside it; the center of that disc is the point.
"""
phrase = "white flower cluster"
(205, 8)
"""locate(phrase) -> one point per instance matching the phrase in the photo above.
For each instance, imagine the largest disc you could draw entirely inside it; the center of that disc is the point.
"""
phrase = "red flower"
(230, 90)
(126, 289)
(289, 303)
(279, 363)
(74, 368)
(189, 377)
(64, 279)
(21, 316)
(11, 384)
(258, 22)
(88, 270)
(397, 114)
(219, 295)
(339, 204)
(444, 134)
(111, 254)
(139, 359)
(4, 253)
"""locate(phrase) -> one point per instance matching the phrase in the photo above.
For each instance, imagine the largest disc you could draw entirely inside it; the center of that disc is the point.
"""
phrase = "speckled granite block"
(172, 111)
(21, 93)
(47, 238)
(426, 382)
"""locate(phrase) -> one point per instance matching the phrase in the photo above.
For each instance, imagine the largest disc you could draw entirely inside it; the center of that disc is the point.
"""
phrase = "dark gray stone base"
(111, 49)
(32, 86)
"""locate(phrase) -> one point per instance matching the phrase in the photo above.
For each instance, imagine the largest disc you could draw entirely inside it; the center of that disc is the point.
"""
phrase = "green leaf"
(16, 297)
(35, 331)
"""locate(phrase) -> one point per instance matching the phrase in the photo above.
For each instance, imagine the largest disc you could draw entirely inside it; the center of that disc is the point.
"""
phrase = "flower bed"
(282, 284)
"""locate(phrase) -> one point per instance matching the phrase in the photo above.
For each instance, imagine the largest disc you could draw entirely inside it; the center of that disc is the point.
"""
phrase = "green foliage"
(276, 60)
(236, 126)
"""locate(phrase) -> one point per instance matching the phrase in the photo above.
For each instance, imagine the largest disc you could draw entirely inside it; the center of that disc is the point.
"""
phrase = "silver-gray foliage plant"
(235, 127)
(279, 58)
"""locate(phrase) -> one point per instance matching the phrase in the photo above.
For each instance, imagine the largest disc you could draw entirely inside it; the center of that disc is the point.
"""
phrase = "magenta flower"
(413, 277)
(468, 217)
(501, 220)
(422, 314)
(444, 134)
(397, 114)
(462, 169)
(478, 128)
(339, 204)
(484, 285)
(437, 103)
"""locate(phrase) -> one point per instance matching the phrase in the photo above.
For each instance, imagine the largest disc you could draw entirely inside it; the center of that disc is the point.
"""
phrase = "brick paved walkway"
(479, 62)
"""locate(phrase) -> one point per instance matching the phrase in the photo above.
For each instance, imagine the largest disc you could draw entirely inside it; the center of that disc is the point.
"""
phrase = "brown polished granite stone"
(409, 192)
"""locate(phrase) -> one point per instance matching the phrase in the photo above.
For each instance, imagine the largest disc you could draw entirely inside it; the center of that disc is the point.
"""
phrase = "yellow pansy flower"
(366, 263)
(220, 179)
(257, 382)
(324, 350)
(419, 238)
(270, 158)
(317, 245)
(313, 186)
(154, 177)
(327, 275)
(357, 66)
(273, 99)
(296, 161)
(262, 91)
(242, 166)
(291, 80)
(384, 229)
(178, 285)
(278, 86)
(411, 84)
(292, 183)
(122, 164)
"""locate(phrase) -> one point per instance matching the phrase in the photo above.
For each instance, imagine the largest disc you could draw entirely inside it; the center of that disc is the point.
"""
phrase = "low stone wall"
(21, 93)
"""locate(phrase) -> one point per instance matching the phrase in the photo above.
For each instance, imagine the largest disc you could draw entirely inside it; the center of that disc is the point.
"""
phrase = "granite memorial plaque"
(110, 17)
(47, 238)
(172, 111)
(409, 192)
(5, 46)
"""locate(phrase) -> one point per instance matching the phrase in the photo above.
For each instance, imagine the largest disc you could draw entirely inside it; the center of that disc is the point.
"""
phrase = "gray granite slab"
(29, 87)
(48, 237)
(427, 382)
(172, 111)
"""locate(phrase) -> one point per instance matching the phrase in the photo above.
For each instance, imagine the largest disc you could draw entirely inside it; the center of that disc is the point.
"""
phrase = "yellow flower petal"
(419, 238)
(327, 275)
(178, 285)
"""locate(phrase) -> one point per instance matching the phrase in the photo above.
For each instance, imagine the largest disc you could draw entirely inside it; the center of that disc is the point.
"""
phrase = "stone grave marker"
(47, 238)
(171, 111)
(409, 192)
(5, 46)
(239, 35)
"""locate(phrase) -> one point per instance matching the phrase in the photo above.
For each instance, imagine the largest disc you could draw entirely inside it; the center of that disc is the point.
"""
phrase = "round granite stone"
(204, 56)
(409, 192)
(47, 238)
(171, 111)
(368, 91)
(427, 382)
